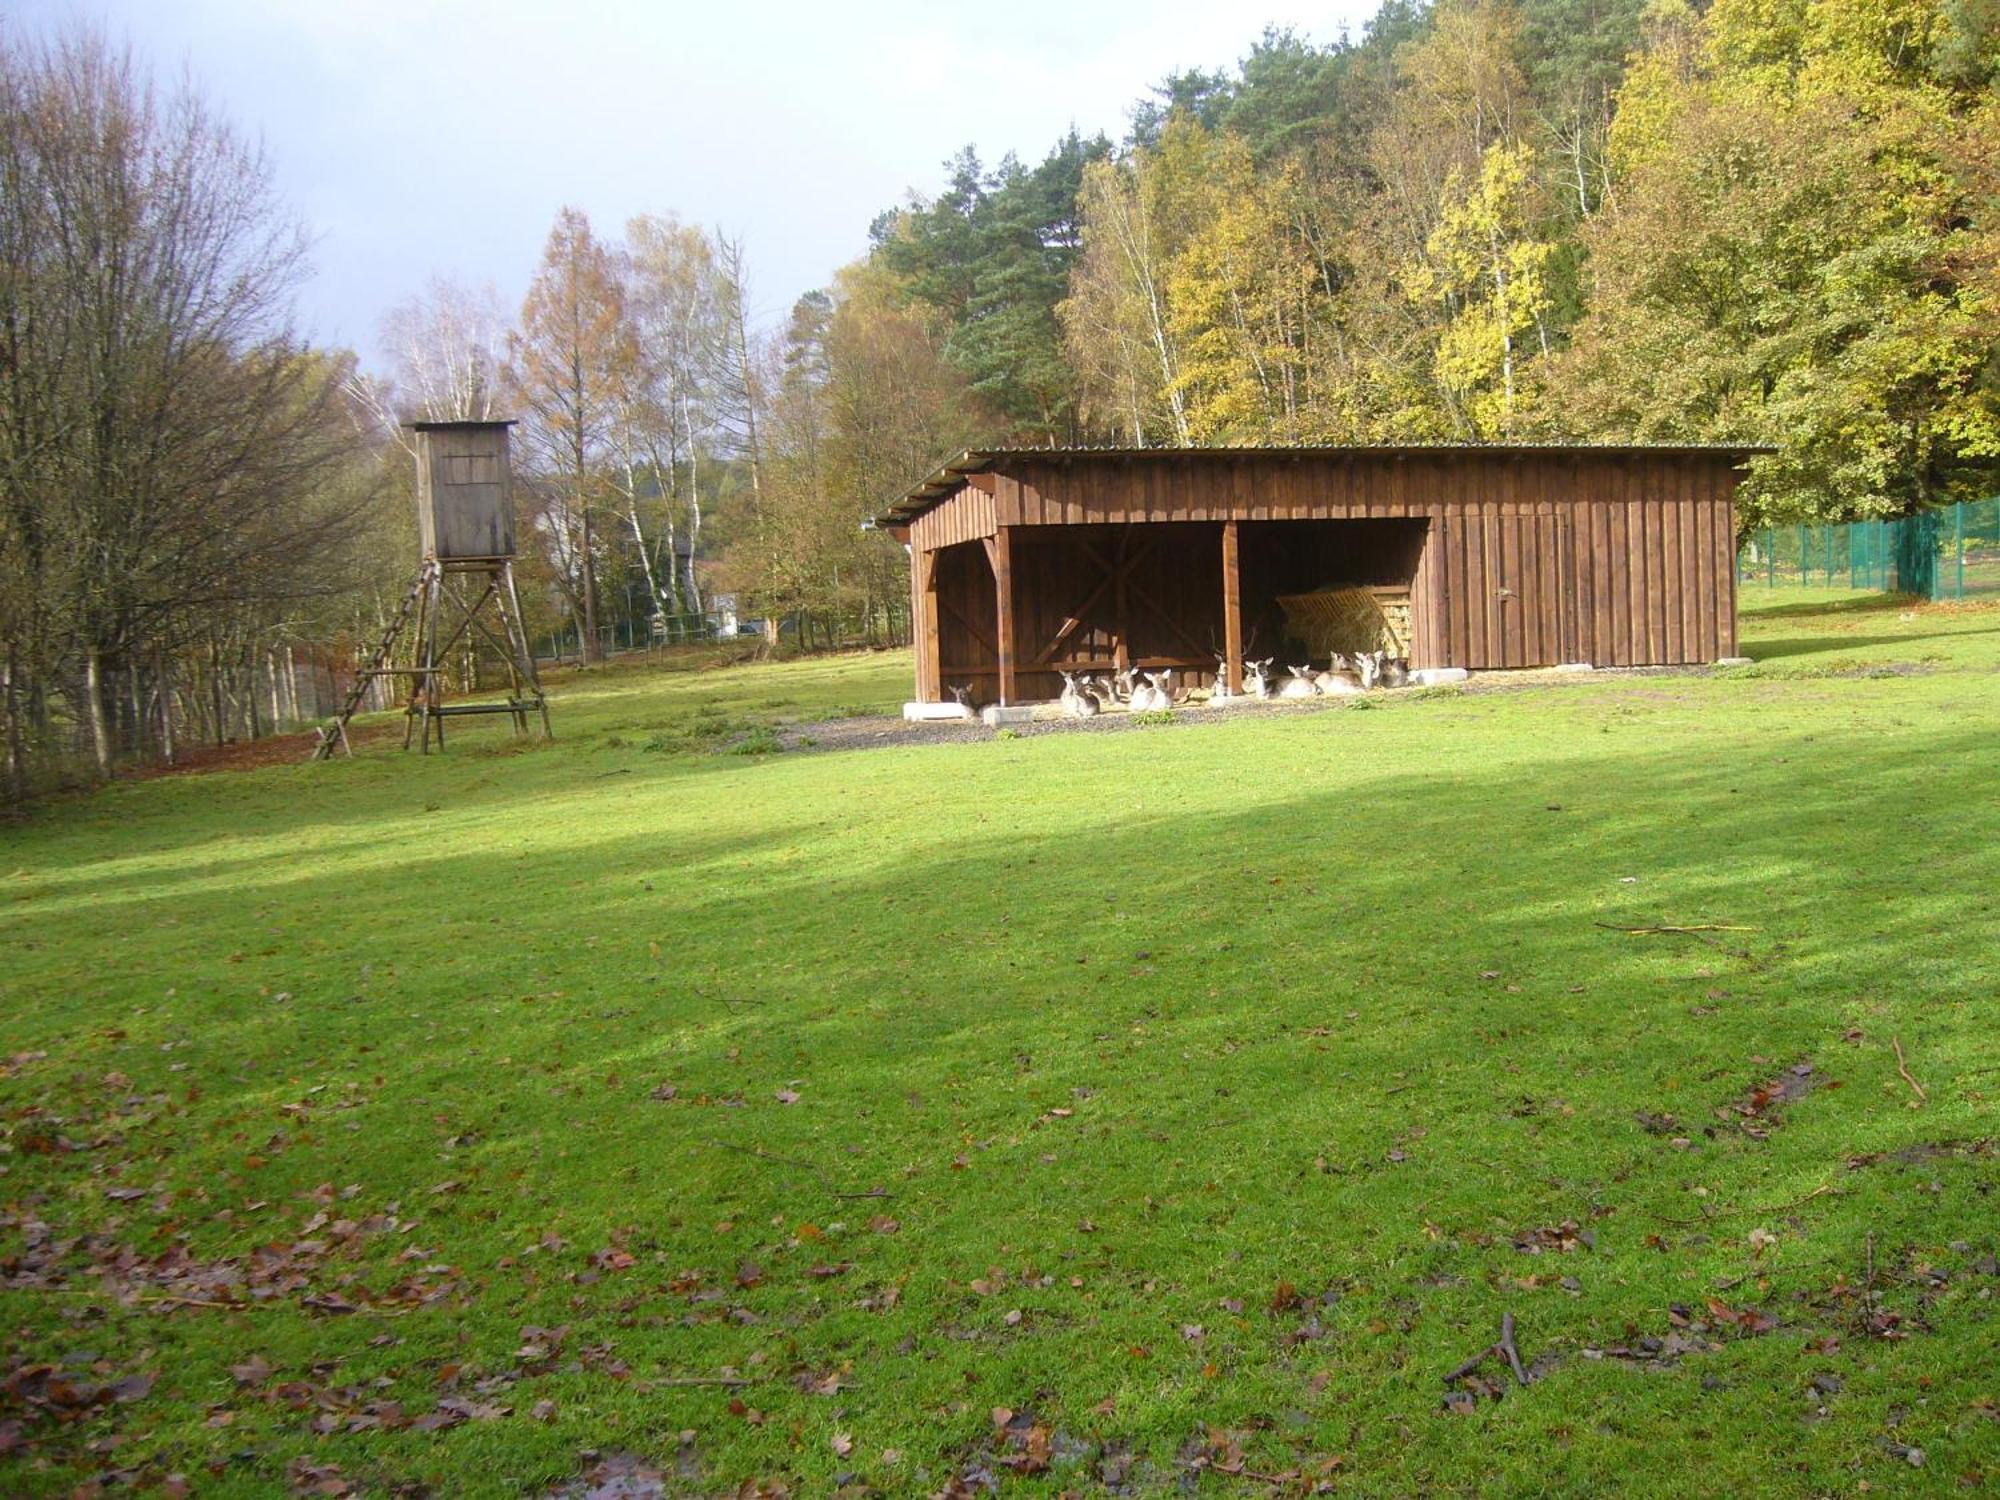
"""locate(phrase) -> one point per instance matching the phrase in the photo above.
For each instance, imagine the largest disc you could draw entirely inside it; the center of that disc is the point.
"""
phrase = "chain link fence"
(1952, 553)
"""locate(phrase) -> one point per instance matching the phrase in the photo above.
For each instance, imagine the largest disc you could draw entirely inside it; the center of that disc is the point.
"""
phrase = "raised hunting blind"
(465, 502)
(465, 531)
(1027, 563)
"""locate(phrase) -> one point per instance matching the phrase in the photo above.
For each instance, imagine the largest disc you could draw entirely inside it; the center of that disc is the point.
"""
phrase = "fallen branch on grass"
(771, 1156)
(1904, 1068)
(1779, 1208)
(1503, 1347)
(792, 1161)
(1506, 1347)
(1690, 927)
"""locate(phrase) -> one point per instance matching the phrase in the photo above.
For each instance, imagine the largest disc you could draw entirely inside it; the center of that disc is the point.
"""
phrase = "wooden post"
(1000, 552)
(930, 665)
(1121, 646)
(1232, 609)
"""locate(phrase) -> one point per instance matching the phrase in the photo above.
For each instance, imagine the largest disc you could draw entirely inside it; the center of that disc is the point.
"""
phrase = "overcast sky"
(421, 136)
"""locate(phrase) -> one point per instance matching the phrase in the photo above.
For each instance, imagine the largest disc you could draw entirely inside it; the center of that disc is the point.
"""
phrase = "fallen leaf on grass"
(1561, 1238)
(1747, 1318)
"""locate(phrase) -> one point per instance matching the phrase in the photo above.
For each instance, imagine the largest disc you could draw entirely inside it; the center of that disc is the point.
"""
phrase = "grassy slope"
(1323, 996)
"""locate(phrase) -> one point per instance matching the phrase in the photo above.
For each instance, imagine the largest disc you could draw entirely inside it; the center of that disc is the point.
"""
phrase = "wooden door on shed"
(1516, 592)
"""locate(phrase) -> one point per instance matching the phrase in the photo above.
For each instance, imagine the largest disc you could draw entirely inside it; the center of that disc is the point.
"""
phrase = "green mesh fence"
(1952, 553)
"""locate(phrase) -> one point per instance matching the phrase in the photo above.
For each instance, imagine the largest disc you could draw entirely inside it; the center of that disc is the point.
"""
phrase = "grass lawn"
(1123, 1113)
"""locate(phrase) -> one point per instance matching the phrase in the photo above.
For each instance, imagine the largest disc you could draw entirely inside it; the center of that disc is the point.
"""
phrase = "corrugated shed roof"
(950, 475)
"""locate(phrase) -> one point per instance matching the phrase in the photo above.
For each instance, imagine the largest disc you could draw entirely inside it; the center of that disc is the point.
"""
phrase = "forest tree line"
(1756, 221)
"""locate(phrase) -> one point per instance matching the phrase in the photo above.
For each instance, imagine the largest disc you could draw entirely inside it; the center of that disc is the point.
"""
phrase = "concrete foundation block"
(1437, 676)
(924, 713)
(1574, 666)
(1013, 713)
(1734, 661)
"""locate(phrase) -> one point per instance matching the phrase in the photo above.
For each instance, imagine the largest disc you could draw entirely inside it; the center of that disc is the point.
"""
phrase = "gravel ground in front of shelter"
(872, 732)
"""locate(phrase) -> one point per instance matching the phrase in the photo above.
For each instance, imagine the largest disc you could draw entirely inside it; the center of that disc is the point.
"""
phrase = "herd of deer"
(1085, 695)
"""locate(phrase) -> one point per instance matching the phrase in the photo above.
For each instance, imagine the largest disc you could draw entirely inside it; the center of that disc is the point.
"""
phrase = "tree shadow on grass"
(1417, 880)
(1289, 1035)
(1868, 604)
(1770, 648)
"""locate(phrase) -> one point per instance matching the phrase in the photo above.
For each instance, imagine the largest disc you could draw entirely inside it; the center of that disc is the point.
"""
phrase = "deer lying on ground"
(1369, 665)
(1152, 694)
(1077, 700)
(1395, 671)
(962, 691)
(1303, 683)
(1257, 678)
(1339, 679)
(1220, 692)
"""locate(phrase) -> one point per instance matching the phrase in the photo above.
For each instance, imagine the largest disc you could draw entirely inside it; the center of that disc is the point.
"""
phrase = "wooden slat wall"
(923, 628)
(966, 621)
(965, 516)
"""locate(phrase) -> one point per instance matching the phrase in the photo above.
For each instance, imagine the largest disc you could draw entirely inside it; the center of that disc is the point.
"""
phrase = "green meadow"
(1165, 1111)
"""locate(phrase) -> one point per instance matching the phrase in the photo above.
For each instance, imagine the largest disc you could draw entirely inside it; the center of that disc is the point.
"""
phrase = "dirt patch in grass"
(275, 750)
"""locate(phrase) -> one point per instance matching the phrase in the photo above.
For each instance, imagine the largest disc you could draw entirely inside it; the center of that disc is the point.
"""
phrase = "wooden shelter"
(1024, 562)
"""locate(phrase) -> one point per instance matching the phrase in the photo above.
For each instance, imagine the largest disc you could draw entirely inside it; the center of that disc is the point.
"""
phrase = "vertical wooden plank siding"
(924, 611)
(967, 515)
(1701, 599)
(1482, 582)
(1695, 605)
(1617, 549)
(1590, 550)
(1725, 562)
(1423, 603)
(1232, 608)
(920, 563)
(1672, 637)
(1652, 603)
